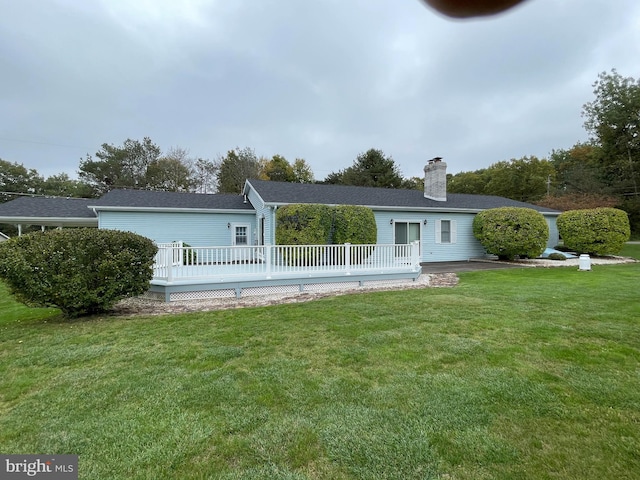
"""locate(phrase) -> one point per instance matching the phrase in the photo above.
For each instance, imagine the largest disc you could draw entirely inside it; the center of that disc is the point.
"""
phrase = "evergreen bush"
(354, 224)
(303, 224)
(80, 271)
(315, 224)
(598, 231)
(511, 231)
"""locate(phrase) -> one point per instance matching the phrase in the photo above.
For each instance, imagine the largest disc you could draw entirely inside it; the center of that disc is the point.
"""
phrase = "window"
(446, 231)
(241, 236)
(406, 232)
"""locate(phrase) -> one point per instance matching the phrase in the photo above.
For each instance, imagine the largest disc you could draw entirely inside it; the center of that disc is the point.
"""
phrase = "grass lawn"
(514, 374)
(631, 250)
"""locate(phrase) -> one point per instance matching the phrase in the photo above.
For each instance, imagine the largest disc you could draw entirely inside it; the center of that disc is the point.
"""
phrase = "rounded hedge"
(80, 271)
(511, 231)
(314, 224)
(598, 231)
(303, 224)
(354, 224)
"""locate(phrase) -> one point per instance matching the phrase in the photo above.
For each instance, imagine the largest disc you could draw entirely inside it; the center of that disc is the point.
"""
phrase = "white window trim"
(453, 231)
(402, 220)
(233, 233)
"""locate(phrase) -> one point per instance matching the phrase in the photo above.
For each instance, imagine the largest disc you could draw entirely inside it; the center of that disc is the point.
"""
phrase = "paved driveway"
(470, 266)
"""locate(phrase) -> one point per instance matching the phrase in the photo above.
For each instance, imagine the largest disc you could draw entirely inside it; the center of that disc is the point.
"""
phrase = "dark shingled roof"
(44, 207)
(159, 199)
(286, 193)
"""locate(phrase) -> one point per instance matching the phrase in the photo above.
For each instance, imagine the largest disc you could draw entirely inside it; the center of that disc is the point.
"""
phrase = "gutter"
(50, 220)
(410, 209)
(100, 208)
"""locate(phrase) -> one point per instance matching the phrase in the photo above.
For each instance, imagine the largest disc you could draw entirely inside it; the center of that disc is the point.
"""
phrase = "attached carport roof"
(57, 212)
(155, 200)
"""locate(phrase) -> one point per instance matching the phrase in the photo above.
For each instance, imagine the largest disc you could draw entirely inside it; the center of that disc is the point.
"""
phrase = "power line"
(22, 194)
(35, 142)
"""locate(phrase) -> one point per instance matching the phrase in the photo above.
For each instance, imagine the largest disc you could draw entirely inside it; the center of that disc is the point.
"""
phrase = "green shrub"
(354, 224)
(598, 231)
(189, 255)
(510, 231)
(314, 224)
(632, 207)
(80, 271)
(557, 256)
(563, 248)
(303, 224)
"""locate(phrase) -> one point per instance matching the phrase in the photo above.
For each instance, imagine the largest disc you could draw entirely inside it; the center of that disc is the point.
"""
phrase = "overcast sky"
(322, 80)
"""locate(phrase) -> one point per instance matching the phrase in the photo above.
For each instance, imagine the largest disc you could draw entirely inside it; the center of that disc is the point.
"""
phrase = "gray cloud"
(321, 80)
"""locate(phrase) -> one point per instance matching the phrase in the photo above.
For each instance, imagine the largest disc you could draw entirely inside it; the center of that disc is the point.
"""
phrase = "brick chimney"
(435, 180)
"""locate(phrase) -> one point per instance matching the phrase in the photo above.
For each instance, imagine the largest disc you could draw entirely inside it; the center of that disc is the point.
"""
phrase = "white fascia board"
(171, 210)
(248, 187)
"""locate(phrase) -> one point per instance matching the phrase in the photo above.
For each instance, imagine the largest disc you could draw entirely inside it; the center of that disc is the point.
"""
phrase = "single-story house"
(440, 222)
(220, 245)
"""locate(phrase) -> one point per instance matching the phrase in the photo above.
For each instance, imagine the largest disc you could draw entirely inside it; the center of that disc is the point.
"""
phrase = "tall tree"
(61, 185)
(14, 177)
(578, 169)
(235, 168)
(468, 182)
(120, 166)
(278, 169)
(370, 169)
(171, 172)
(613, 121)
(204, 176)
(302, 172)
(526, 179)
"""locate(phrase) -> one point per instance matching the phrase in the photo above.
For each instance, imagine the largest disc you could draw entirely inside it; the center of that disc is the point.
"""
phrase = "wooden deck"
(214, 272)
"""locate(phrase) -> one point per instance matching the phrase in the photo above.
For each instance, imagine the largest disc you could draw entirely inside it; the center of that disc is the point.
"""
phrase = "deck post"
(267, 259)
(347, 257)
(168, 255)
(415, 255)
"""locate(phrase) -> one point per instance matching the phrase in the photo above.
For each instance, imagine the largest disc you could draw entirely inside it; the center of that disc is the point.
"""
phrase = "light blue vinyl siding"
(464, 248)
(554, 236)
(463, 245)
(269, 222)
(262, 211)
(196, 229)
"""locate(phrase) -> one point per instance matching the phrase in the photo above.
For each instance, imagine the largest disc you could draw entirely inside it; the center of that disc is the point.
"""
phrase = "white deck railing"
(176, 262)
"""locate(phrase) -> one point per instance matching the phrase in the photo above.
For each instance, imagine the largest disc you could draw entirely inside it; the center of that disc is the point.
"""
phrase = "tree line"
(601, 172)
(142, 165)
(604, 171)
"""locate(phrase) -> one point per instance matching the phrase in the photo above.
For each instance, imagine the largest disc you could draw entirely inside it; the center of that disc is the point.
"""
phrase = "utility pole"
(548, 185)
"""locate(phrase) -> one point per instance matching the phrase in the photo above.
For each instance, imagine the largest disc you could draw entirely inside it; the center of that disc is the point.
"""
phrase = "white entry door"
(405, 233)
(241, 234)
